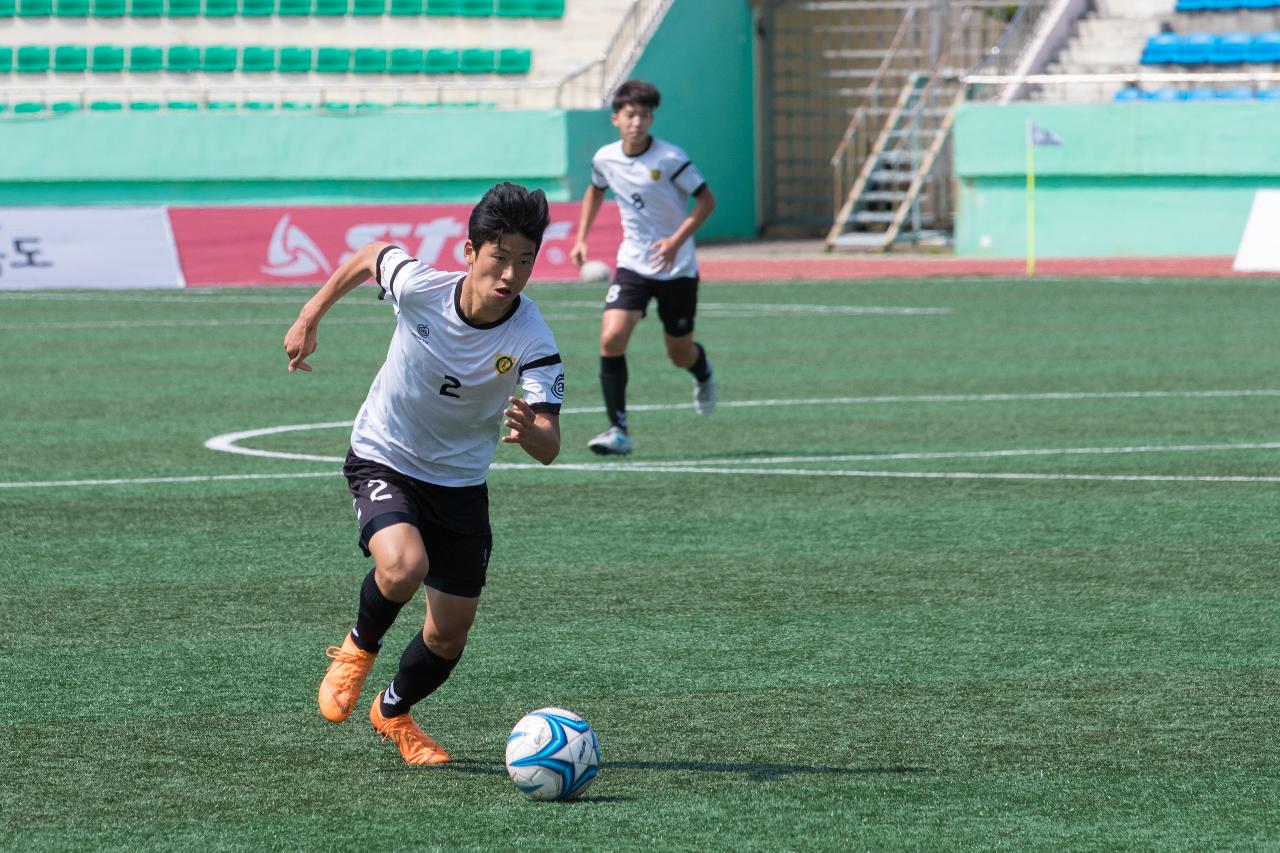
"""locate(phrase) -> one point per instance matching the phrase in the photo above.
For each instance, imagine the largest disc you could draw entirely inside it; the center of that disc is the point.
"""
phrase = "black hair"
(508, 209)
(637, 93)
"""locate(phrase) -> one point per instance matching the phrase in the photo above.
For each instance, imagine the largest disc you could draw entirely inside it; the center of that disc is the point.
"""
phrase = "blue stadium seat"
(1235, 93)
(1268, 95)
(1160, 49)
(1232, 49)
(1194, 5)
(1195, 49)
(1265, 47)
(1128, 93)
(1199, 95)
(1257, 4)
(1166, 93)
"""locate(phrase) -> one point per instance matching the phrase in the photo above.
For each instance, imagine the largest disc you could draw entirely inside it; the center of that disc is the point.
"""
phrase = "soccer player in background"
(652, 181)
(424, 439)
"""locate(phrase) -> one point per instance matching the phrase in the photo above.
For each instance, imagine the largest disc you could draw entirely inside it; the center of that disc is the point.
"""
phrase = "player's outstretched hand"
(578, 254)
(300, 342)
(664, 252)
(519, 419)
(541, 440)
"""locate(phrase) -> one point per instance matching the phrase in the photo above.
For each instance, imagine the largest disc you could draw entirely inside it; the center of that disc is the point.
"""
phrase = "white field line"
(182, 324)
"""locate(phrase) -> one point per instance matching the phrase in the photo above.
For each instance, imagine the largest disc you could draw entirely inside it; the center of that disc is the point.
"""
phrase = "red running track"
(845, 267)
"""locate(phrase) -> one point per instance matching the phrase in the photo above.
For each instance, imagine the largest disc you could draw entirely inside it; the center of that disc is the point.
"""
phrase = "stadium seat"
(476, 8)
(146, 8)
(441, 60)
(362, 8)
(256, 59)
(406, 8)
(184, 8)
(35, 8)
(515, 8)
(33, 59)
(6, 58)
(222, 105)
(8, 8)
(63, 107)
(28, 107)
(477, 60)
(297, 105)
(1128, 94)
(257, 8)
(106, 106)
(1199, 95)
(370, 60)
(72, 9)
(548, 8)
(1165, 94)
(1195, 49)
(1231, 48)
(294, 9)
(444, 7)
(219, 8)
(219, 59)
(1265, 47)
(144, 106)
(332, 8)
(107, 58)
(108, 8)
(1194, 5)
(333, 60)
(1160, 49)
(182, 58)
(183, 105)
(1268, 95)
(1235, 93)
(407, 60)
(145, 59)
(70, 58)
(260, 106)
(514, 60)
(295, 60)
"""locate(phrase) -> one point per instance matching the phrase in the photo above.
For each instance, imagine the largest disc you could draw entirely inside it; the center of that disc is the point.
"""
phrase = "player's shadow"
(750, 771)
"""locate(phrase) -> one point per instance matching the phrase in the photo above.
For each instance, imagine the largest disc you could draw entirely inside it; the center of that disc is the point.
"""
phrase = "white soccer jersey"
(653, 192)
(434, 411)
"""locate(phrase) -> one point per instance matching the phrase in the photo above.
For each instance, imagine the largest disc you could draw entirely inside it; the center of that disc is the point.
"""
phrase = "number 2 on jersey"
(451, 383)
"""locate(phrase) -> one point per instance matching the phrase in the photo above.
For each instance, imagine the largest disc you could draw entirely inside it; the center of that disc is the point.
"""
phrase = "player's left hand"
(664, 252)
(519, 418)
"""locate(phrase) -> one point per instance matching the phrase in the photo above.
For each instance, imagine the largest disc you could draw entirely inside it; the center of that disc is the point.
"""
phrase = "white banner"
(1260, 246)
(53, 248)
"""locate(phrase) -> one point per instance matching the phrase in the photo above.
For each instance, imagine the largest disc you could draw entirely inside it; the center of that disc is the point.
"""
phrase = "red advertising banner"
(303, 245)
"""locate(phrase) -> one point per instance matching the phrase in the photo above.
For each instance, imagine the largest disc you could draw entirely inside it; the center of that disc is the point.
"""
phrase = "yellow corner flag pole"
(1031, 199)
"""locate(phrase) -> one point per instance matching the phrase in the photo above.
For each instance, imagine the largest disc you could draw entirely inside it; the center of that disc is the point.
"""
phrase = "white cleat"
(611, 442)
(704, 396)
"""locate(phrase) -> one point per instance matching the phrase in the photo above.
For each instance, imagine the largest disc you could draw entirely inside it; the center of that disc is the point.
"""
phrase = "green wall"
(1172, 179)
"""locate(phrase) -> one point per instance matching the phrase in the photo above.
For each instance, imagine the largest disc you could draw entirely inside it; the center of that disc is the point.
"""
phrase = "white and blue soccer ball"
(552, 754)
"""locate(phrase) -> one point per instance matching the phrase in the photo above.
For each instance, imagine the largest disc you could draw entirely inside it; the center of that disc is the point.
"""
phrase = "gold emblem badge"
(504, 363)
(656, 174)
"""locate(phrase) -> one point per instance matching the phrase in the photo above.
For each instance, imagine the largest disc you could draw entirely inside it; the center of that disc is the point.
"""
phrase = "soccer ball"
(552, 754)
(595, 271)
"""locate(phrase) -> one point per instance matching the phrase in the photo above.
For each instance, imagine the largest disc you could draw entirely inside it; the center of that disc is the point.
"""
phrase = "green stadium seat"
(145, 59)
(257, 8)
(70, 58)
(444, 7)
(260, 106)
(406, 8)
(548, 8)
(514, 60)
(183, 105)
(295, 60)
(222, 105)
(371, 60)
(219, 59)
(407, 60)
(72, 8)
(108, 8)
(106, 106)
(62, 107)
(28, 107)
(8, 8)
(182, 58)
(332, 8)
(6, 59)
(258, 60)
(476, 8)
(294, 9)
(144, 106)
(146, 8)
(184, 8)
(441, 60)
(33, 59)
(515, 8)
(333, 60)
(35, 8)
(361, 8)
(107, 58)
(477, 60)
(220, 8)
(298, 106)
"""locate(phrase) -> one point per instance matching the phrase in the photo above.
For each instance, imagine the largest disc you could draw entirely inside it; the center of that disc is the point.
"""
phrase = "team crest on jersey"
(656, 174)
(503, 363)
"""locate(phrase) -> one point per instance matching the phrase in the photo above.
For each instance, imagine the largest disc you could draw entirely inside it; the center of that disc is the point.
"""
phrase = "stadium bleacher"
(281, 8)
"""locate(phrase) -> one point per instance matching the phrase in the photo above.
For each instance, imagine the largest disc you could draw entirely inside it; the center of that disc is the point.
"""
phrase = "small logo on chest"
(503, 363)
(423, 330)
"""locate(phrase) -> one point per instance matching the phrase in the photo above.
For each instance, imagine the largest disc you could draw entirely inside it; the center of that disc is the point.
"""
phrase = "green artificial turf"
(1004, 573)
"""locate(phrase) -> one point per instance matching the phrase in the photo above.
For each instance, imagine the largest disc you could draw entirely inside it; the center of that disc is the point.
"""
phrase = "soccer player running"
(652, 180)
(424, 439)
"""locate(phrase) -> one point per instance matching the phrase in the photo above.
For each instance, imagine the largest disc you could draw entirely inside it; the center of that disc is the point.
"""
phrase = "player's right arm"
(300, 340)
(591, 203)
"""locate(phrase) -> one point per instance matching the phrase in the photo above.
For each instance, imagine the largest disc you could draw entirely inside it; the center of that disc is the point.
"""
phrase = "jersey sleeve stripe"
(377, 267)
(702, 186)
(391, 285)
(545, 408)
(680, 171)
(541, 362)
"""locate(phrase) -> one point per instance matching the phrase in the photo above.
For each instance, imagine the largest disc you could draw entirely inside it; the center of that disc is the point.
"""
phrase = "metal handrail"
(1015, 27)
(873, 90)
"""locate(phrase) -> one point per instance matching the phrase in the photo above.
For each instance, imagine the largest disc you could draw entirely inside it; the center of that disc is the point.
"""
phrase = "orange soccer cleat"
(343, 680)
(415, 745)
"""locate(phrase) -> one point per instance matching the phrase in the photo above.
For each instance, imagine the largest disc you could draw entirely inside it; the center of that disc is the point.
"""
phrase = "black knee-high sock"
(613, 381)
(421, 672)
(701, 368)
(377, 612)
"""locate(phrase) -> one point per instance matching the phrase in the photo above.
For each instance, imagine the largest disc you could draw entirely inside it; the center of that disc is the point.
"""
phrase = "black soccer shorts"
(453, 521)
(677, 299)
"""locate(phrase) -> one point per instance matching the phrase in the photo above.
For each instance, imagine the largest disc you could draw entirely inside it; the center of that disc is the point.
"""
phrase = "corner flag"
(1036, 135)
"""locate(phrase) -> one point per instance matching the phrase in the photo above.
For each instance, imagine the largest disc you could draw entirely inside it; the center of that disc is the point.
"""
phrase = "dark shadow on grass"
(752, 772)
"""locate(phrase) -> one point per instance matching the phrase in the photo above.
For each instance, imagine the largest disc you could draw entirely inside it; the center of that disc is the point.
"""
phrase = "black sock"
(613, 380)
(377, 612)
(421, 672)
(701, 370)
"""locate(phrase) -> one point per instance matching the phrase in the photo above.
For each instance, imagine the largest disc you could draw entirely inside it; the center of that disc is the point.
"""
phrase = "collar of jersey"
(642, 153)
(457, 306)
